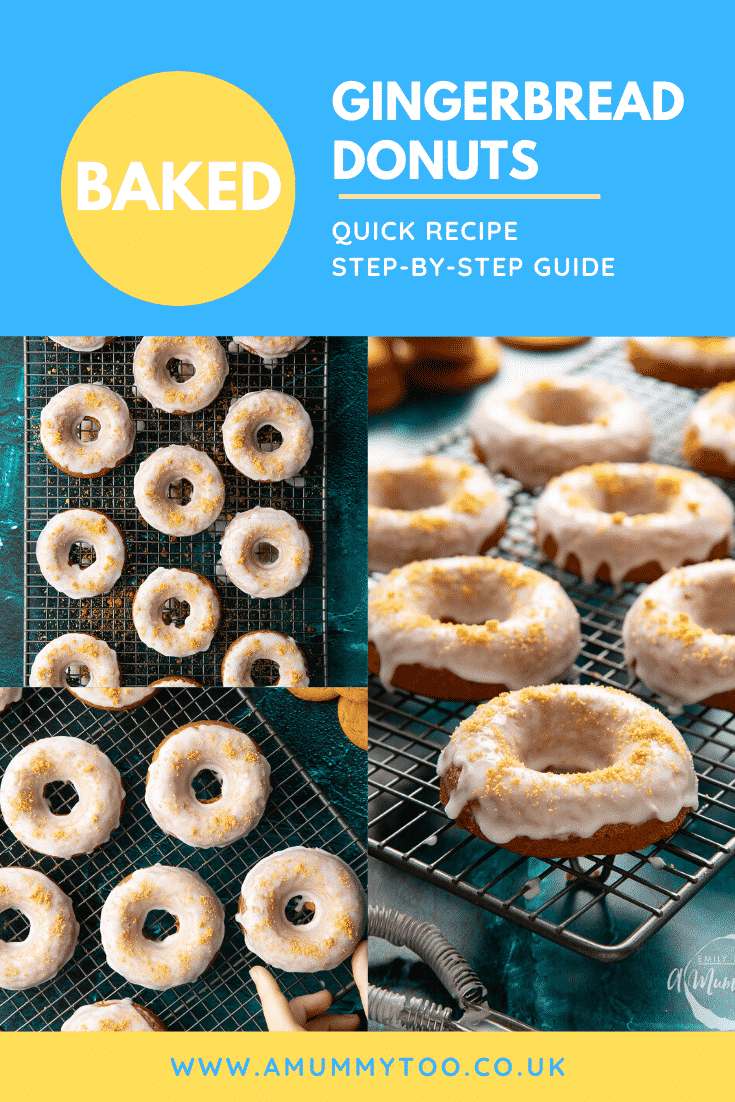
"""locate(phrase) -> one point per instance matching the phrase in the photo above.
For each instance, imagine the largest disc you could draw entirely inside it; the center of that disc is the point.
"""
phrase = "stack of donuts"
(86, 430)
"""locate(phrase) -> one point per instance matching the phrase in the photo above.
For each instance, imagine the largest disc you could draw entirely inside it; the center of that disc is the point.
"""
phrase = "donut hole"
(299, 911)
(407, 490)
(82, 554)
(268, 438)
(14, 926)
(175, 612)
(264, 672)
(61, 797)
(87, 430)
(614, 492)
(180, 371)
(553, 742)
(714, 609)
(470, 601)
(206, 786)
(558, 406)
(181, 490)
(265, 554)
(159, 925)
(76, 675)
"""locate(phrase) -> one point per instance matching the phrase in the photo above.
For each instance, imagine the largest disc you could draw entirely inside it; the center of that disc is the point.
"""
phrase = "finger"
(360, 971)
(333, 1023)
(276, 1010)
(304, 1007)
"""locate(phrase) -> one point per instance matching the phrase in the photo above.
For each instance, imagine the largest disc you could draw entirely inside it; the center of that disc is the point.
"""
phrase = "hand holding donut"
(306, 1013)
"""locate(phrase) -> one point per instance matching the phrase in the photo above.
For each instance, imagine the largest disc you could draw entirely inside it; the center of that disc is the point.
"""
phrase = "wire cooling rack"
(301, 614)
(297, 813)
(604, 908)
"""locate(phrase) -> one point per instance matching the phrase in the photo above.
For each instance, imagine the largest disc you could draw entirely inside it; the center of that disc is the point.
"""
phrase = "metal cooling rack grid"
(301, 614)
(602, 908)
(297, 813)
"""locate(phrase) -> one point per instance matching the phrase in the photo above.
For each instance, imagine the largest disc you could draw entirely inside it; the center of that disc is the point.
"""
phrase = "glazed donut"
(157, 385)
(270, 646)
(272, 348)
(429, 508)
(677, 635)
(469, 628)
(325, 886)
(686, 361)
(709, 435)
(631, 522)
(277, 529)
(567, 771)
(92, 819)
(113, 700)
(386, 387)
(52, 938)
(56, 541)
(543, 344)
(8, 697)
(182, 956)
(181, 585)
(166, 466)
(175, 683)
(239, 766)
(113, 1016)
(82, 344)
(75, 649)
(533, 431)
(255, 411)
(81, 456)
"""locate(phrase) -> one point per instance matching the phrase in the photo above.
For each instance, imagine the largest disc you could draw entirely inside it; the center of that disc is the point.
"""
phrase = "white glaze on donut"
(82, 344)
(321, 880)
(200, 625)
(630, 514)
(706, 352)
(92, 819)
(713, 420)
(166, 466)
(677, 634)
(84, 458)
(8, 697)
(157, 385)
(177, 959)
(52, 938)
(619, 761)
(75, 649)
(272, 348)
(264, 645)
(429, 508)
(238, 764)
(113, 700)
(56, 540)
(253, 412)
(112, 1016)
(509, 625)
(536, 430)
(283, 532)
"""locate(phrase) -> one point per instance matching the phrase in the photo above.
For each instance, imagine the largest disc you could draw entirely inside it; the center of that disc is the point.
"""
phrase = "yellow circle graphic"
(178, 188)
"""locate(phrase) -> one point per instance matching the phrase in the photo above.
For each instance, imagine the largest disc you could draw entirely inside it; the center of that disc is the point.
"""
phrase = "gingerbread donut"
(631, 522)
(75, 649)
(52, 938)
(678, 635)
(687, 361)
(167, 466)
(113, 1016)
(255, 573)
(156, 384)
(533, 431)
(56, 541)
(567, 771)
(271, 646)
(8, 697)
(271, 348)
(68, 430)
(82, 344)
(430, 508)
(543, 344)
(386, 387)
(469, 628)
(259, 410)
(709, 435)
(200, 625)
(448, 363)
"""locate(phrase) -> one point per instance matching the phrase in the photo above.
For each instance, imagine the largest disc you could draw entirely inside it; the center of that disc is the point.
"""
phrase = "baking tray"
(602, 908)
(297, 813)
(301, 614)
